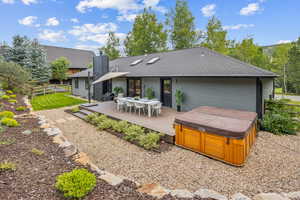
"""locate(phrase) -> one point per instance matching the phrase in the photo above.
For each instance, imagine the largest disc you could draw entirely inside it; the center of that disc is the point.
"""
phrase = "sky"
(84, 24)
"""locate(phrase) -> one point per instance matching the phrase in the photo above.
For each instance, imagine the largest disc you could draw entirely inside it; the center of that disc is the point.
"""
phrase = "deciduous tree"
(112, 46)
(60, 68)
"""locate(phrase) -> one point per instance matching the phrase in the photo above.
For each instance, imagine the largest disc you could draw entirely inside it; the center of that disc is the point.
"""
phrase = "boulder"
(70, 151)
(239, 196)
(206, 193)
(181, 193)
(269, 196)
(153, 190)
(27, 132)
(292, 195)
(111, 178)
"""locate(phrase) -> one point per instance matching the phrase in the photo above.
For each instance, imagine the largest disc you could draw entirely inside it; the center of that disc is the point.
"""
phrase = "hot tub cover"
(220, 121)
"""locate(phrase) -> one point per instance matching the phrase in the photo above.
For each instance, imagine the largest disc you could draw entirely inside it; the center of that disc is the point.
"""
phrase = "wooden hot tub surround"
(223, 134)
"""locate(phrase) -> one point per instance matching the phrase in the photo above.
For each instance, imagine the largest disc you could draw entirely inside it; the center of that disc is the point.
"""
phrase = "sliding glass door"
(134, 87)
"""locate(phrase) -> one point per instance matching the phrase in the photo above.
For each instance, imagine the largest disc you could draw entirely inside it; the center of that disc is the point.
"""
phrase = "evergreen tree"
(181, 26)
(215, 36)
(147, 35)
(293, 68)
(111, 49)
(60, 68)
(40, 69)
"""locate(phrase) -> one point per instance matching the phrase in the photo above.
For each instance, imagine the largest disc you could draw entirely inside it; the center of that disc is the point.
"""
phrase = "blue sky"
(85, 23)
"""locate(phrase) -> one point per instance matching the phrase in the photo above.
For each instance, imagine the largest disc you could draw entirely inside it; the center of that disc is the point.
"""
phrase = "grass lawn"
(278, 90)
(51, 101)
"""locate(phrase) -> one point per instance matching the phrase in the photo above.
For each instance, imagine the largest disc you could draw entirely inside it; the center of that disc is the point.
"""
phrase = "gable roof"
(193, 62)
(79, 59)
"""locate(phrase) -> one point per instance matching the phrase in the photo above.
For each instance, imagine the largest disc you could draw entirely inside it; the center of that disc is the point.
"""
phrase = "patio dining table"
(146, 102)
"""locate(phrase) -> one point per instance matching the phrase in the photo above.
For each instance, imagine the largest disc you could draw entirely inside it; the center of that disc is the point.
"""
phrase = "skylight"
(153, 60)
(136, 62)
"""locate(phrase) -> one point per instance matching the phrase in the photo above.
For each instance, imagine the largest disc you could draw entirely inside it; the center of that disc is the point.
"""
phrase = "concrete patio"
(162, 123)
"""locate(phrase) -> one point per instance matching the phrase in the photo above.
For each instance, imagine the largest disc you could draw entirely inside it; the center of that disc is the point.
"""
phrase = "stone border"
(155, 190)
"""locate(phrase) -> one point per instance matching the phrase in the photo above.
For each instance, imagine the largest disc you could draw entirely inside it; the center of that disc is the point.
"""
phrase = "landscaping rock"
(205, 193)
(52, 131)
(153, 190)
(82, 158)
(292, 195)
(111, 179)
(58, 139)
(65, 144)
(269, 196)
(96, 169)
(27, 132)
(46, 125)
(181, 193)
(70, 151)
(239, 196)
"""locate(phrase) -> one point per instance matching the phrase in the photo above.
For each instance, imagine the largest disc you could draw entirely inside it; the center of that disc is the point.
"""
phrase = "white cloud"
(86, 29)
(29, 21)
(154, 5)
(284, 41)
(237, 26)
(8, 1)
(94, 48)
(208, 10)
(28, 2)
(52, 36)
(101, 38)
(74, 20)
(250, 9)
(52, 22)
(126, 17)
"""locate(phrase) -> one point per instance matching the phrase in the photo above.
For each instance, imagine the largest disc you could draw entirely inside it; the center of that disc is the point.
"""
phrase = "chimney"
(100, 67)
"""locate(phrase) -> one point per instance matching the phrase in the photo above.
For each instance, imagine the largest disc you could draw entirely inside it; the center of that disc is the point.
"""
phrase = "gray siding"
(234, 93)
(120, 82)
(267, 84)
(80, 91)
(154, 84)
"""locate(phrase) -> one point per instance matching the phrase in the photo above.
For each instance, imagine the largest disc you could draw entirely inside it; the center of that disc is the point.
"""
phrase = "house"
(79, 59)
(204, 76)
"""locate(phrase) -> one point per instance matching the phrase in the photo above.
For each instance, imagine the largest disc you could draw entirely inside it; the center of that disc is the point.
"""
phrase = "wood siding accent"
(229, 150)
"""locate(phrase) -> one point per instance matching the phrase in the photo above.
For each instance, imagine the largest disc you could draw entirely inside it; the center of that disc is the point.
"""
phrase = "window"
(76, 83)
(86, 83)
(136, 62)
(134, 87)
(153, 60)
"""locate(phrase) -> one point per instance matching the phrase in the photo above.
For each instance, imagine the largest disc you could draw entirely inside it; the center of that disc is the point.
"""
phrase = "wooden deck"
(162, 123)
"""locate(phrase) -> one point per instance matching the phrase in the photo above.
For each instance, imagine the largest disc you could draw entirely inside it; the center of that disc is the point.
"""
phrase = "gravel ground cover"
(273, 164)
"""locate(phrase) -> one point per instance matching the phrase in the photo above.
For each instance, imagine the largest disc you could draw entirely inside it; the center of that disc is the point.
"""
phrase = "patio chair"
(129, 106)
(120, 105)
(139, 106)
(156, 109)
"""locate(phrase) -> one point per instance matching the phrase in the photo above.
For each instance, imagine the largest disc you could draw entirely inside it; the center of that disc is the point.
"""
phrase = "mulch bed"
(12, 107)
(35, 175)
(163, 146)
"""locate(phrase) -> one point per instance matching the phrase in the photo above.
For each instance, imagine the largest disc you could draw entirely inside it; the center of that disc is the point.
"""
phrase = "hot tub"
(223, 134)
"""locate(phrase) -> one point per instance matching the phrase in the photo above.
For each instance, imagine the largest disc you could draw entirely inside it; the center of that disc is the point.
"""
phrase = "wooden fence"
(49, 89)
(293, 109)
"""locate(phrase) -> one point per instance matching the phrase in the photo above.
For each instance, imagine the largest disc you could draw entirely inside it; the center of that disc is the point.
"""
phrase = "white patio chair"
(120, 105)
(156, 109)
(129, 106)
(139, 106)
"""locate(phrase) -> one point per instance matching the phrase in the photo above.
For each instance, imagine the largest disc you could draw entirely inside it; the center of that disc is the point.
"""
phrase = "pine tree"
(181, 26)
(147, 35)
(215, 36)
(111, 49)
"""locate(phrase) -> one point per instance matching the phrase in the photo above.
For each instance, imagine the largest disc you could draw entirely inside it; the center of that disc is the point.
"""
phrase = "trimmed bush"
(21, 108)
(75, 109)
(9, 92)
(9, 122)
(150, 140)
(76, 184)
(12, 101)
(92, 118)
(120, 126)
(7, 166)
(13, 96)
(105, 123)
(133, 132)
(5, 97)
(7, 114)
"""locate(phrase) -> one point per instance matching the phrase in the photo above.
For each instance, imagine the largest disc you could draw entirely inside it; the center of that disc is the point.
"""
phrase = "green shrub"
(9, 92)
(75, 109)
(13, 96)
(91, 118)
(5, 97)
(9, 122)
(7, 166)
(105, 123)
(12, 101)
(150, 93)
(21, 108)
(37, 151)
(150, 140)
(120, 126)
(279, 123)
(76, 184)
(7, 114)
(133, 132)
